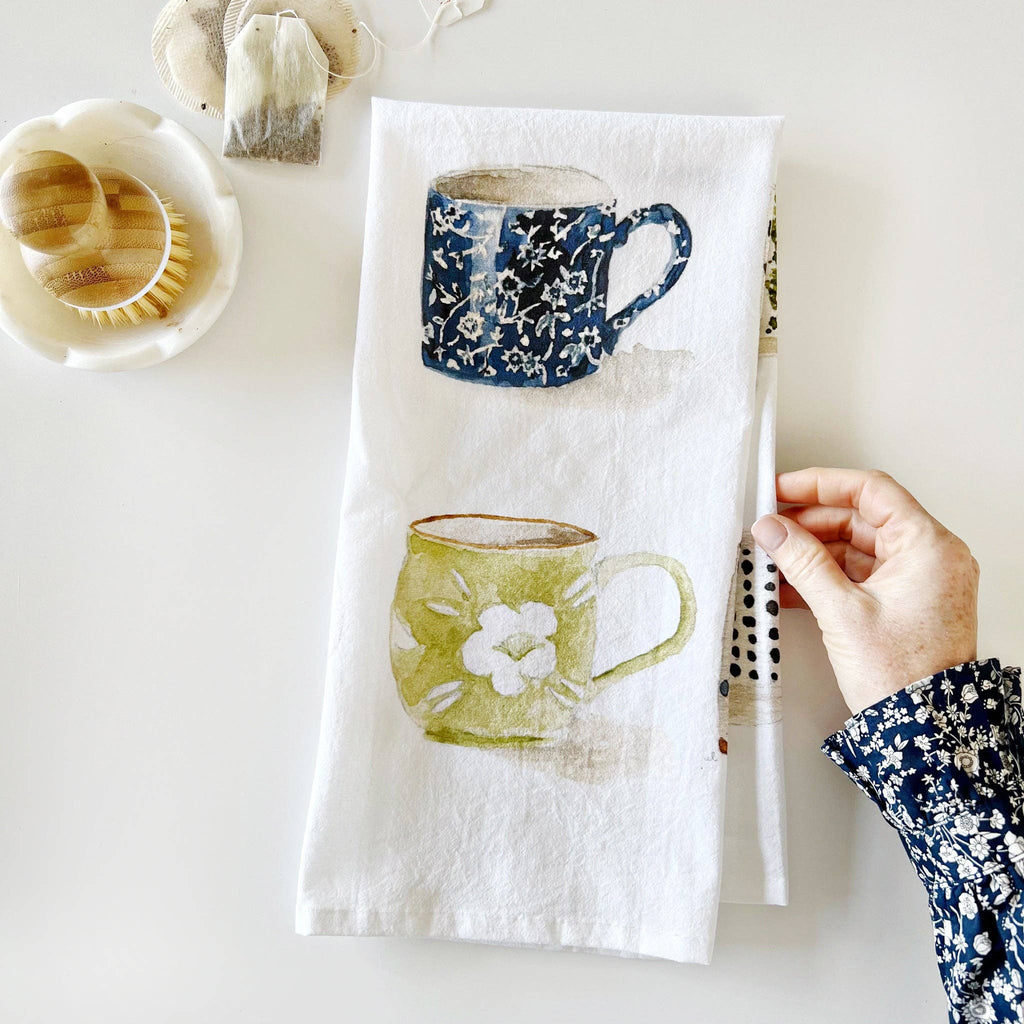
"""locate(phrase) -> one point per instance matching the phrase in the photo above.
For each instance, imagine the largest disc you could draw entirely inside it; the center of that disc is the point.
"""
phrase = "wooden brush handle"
(53, 204)
(93, 238)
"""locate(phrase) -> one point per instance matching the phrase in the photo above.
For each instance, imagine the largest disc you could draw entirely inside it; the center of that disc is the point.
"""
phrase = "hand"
(894, 592)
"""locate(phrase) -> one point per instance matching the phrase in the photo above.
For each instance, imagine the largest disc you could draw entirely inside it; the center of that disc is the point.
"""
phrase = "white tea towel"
(545, 489)
(754, 869)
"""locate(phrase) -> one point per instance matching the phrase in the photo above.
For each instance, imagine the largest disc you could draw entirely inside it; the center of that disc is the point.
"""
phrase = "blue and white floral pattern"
(517, 297)
(943, 759)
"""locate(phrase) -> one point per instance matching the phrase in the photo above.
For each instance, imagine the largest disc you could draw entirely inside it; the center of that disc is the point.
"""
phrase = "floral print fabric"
(942, 760)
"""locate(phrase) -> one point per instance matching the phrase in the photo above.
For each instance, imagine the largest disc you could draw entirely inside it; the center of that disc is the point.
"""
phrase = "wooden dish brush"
(97, 239)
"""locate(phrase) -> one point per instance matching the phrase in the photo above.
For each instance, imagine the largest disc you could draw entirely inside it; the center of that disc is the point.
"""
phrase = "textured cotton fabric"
(755, 868)
(944, 762)
(608, 835)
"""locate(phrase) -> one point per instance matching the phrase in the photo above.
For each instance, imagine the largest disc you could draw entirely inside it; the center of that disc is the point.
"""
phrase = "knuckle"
(878, 486)
(954, 555)
(967, 560)
(806, 562)
(959, 551)
(929, 531)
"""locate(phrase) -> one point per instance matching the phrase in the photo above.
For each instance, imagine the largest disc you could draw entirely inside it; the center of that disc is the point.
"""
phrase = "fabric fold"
(754, 864)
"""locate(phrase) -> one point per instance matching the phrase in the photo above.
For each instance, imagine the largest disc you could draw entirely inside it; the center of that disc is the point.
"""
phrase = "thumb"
(804, 561)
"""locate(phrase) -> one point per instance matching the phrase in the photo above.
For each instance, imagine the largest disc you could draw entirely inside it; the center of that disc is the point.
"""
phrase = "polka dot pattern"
(751, 657)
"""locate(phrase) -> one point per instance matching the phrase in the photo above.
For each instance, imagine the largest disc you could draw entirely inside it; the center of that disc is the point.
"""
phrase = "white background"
(167, 536)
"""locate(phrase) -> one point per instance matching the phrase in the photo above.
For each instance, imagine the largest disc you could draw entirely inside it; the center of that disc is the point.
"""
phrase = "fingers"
(831, 524)
(875, 495)
(857, 564)
(806, 564)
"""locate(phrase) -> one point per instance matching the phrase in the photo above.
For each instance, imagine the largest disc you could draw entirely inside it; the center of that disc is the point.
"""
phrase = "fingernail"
(769, 532)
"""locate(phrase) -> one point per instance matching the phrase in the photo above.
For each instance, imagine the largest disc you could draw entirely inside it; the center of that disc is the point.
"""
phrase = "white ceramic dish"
(177, 166)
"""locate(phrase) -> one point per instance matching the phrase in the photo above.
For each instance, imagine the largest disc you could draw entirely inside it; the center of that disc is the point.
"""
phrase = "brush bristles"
(158, 300)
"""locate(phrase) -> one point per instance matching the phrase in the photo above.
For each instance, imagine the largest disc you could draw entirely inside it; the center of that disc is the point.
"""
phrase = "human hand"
(894, 592)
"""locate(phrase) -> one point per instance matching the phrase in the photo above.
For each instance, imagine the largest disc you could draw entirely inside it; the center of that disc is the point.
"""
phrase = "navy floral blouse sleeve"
(942, 760)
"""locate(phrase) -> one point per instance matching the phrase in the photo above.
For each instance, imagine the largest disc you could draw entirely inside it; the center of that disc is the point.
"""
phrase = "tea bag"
(333, 22)
(188, 51)
(275, 91)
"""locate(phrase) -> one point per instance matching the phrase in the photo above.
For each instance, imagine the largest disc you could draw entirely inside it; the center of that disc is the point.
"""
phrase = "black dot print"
(744, 664)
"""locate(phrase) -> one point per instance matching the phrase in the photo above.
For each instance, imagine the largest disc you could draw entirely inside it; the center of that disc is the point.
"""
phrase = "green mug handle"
(610, 567)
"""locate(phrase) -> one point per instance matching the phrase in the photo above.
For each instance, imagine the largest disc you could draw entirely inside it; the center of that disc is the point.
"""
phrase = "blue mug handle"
(659, 213)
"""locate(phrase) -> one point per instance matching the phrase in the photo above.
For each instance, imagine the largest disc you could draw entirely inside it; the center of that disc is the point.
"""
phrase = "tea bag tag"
(275, 91)
(451, 11)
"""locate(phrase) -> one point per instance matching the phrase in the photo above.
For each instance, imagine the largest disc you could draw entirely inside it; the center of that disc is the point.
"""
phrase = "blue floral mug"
(515, 274)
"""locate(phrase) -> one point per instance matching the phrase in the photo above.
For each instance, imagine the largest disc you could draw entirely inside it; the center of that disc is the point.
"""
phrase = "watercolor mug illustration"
(515, 274)
(494, 623)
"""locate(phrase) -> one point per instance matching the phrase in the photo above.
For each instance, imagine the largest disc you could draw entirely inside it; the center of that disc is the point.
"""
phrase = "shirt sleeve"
(942, 760)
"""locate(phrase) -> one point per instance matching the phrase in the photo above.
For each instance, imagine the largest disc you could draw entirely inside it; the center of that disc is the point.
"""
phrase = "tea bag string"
(378, 44)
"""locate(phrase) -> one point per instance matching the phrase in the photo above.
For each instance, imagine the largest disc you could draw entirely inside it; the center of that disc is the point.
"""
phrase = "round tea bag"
(333, 22)
(188, 50)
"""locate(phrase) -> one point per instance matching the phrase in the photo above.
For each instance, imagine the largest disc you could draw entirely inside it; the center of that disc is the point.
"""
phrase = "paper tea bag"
(188, 51)
(333, 22)
(275, 91)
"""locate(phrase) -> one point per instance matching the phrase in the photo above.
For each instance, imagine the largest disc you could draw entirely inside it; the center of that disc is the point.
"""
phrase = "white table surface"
(167, 535)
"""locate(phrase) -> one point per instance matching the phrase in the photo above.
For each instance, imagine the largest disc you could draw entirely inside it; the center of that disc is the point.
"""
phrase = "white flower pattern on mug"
(471, 326)
(512, 648)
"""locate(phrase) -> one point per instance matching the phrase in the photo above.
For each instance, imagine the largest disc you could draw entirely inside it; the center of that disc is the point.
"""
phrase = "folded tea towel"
(754, 867)
(551, 427)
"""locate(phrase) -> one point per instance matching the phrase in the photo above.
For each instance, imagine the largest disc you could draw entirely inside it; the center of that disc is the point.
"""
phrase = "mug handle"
(679, 230)
(610, 567)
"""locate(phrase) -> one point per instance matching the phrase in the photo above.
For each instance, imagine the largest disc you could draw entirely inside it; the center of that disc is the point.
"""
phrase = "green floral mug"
(493, 626)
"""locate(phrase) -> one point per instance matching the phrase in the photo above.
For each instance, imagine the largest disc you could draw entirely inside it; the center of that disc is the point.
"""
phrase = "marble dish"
(177, 166)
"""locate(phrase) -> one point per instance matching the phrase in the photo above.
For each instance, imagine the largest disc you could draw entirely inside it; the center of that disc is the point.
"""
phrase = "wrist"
(876, 679)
